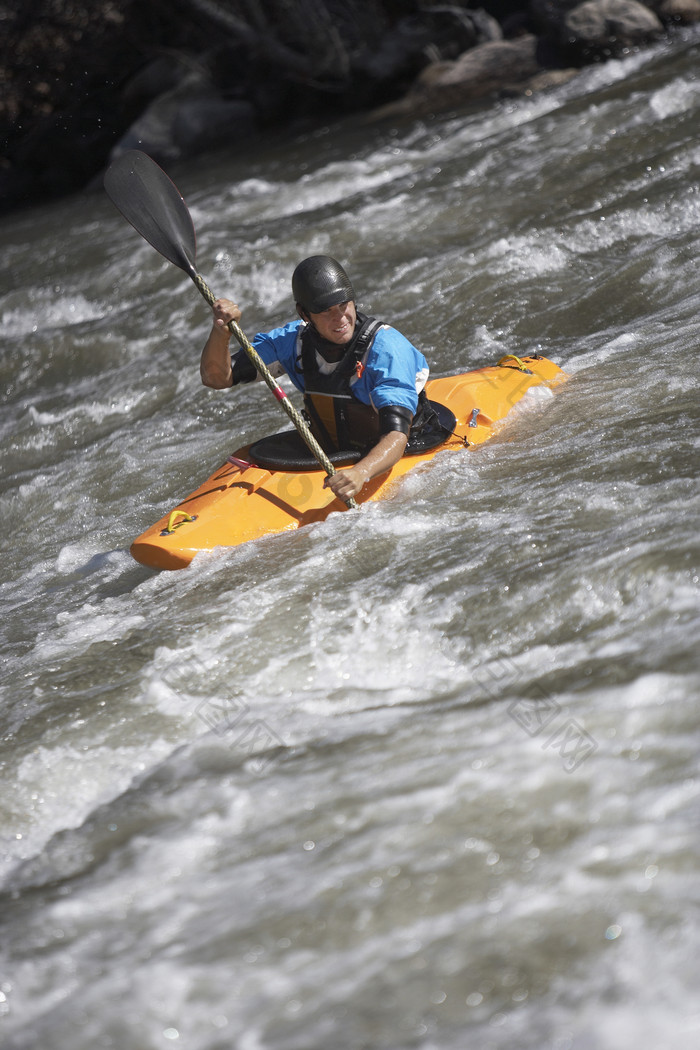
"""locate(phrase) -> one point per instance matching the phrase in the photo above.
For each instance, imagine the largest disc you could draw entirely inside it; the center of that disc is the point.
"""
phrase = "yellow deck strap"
(519, 363)
(172, 525)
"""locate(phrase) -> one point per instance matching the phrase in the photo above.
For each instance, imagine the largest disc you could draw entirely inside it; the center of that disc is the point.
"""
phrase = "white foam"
(94, 411)
(525, 255)
(679, 96)
(83, 627)
(591, 358)
(57, 788)
(45, 308)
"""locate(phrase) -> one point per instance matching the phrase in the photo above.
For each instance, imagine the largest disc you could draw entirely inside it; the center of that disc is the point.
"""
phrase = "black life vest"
(338, 419)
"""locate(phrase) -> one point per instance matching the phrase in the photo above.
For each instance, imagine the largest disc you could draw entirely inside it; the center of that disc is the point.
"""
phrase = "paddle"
(151, 202)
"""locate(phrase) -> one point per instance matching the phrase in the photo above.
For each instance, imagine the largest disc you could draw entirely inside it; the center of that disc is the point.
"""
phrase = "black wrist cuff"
(395, 417)
(242, 368)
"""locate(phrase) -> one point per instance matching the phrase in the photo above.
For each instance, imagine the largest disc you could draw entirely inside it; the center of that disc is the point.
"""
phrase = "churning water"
(423, 776)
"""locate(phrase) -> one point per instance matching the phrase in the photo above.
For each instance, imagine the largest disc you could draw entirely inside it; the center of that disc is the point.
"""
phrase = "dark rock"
(188, 119)
(610, 26)
(597, 28)
(680, 12)
(211, 123)
(416, 41)
(155, 78)
(476, 74)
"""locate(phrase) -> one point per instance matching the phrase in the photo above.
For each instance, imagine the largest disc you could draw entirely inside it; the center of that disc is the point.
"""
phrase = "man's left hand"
(346, 484)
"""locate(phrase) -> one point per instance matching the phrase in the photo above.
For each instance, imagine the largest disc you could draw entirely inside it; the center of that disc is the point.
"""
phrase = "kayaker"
(362, 380)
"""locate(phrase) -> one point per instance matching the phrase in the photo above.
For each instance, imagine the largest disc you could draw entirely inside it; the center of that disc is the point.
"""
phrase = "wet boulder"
(186, 120)
(597, 28)
(415, 42)
(680, 12)
(499, 66)
(482, 70)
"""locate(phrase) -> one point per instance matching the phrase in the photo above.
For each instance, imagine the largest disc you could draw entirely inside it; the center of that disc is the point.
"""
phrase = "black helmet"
(319, 283)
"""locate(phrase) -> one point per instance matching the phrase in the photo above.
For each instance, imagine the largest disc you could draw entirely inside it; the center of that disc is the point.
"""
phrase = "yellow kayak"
(274, 485)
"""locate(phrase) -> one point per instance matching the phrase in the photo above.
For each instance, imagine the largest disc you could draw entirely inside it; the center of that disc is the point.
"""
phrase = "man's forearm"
(388, 450)
(215, 366)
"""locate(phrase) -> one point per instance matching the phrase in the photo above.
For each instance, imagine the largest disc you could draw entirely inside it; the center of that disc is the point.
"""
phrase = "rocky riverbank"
(83, 80)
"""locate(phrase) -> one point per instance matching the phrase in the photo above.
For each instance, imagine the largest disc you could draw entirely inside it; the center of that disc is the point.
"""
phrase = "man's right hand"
(225, 311)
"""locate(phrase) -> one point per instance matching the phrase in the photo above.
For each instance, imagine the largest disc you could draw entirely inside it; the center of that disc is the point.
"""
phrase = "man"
(360, 378)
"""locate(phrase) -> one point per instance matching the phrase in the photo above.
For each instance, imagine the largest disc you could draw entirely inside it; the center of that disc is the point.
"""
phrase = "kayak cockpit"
(288, 451)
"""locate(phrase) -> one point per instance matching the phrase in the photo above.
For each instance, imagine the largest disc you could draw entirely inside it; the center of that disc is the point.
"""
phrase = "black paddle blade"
(148, 199)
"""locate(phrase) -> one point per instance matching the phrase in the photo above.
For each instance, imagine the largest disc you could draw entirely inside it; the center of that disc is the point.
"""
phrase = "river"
(424, 776)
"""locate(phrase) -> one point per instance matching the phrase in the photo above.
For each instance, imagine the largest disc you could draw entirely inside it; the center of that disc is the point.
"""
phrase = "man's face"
(336, 324)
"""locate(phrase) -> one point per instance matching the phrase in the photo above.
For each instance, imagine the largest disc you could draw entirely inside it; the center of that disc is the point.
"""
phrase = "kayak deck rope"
(173, 523)
(518, 363)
